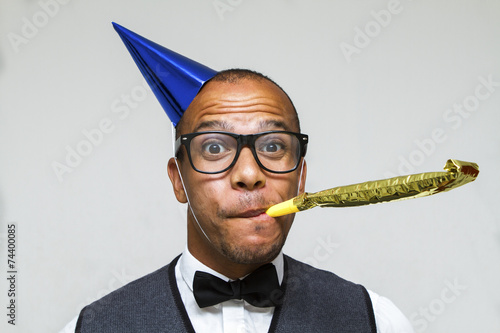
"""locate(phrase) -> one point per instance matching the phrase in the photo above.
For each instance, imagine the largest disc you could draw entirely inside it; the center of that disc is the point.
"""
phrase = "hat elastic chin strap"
(182, 182)
(189, 202)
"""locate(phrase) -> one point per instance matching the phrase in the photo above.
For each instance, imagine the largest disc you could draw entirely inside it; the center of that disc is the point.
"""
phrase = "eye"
(271, 147)
(214, 148)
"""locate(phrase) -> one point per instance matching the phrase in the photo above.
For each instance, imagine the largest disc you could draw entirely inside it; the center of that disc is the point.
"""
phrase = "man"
(239, 150)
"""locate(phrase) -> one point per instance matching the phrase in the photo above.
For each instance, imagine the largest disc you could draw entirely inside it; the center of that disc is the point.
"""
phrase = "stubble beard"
(244, 254)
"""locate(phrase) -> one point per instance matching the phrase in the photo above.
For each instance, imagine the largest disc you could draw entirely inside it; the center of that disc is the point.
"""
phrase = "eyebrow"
(214, 125)
(217, 125)
(272, 124)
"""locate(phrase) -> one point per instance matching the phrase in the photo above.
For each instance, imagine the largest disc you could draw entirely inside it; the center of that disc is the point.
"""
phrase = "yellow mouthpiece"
(283, 208)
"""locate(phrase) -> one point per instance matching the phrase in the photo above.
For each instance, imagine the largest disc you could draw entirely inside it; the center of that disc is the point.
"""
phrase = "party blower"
(457, 173)
(175, 81)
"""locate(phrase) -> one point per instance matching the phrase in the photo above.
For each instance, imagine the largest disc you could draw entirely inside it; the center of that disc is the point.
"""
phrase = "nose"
(246, 173)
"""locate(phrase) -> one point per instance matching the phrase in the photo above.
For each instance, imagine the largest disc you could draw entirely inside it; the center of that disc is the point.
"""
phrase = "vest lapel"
(177, 296)
(277, 309)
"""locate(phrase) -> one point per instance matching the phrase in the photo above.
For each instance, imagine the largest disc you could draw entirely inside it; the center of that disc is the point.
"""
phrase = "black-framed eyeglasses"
(215, 152)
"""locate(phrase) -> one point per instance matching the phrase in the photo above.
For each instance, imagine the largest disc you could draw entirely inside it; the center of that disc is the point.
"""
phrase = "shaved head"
(235, 76)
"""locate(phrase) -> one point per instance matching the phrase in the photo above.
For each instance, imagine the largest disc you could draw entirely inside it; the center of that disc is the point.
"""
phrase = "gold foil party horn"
(457, 173)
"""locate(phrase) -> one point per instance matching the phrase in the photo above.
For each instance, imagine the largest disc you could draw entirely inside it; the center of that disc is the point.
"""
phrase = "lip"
(251, 213)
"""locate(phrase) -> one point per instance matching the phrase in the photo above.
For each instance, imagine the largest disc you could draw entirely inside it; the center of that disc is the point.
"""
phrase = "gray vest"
(313, 301)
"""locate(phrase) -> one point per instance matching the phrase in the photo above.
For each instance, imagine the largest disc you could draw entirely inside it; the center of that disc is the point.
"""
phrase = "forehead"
(250, 104)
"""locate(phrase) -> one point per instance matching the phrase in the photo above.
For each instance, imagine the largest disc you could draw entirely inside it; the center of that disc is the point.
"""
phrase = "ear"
(175, 179)
(303, 177)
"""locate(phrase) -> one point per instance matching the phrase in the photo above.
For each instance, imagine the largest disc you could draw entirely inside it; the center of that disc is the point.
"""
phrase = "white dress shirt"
(233, 316)
(238, 316)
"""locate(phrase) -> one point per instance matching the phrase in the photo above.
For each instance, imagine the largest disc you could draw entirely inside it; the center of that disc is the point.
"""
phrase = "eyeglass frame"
(243, 140)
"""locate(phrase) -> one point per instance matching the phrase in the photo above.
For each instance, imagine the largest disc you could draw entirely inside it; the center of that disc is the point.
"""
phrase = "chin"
(255, 252)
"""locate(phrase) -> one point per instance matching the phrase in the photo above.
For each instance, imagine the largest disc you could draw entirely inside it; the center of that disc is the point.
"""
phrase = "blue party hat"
(174, 79)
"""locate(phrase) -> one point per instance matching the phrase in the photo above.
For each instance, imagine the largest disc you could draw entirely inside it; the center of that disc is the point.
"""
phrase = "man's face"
(230, 206)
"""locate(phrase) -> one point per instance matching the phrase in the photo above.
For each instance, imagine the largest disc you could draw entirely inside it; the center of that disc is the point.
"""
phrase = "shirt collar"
(188, 265)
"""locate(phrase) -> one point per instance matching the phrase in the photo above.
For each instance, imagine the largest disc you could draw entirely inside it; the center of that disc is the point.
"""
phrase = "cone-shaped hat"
(174, 79)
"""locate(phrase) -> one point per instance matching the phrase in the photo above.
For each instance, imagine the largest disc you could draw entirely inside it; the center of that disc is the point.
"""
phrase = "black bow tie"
(261, 288)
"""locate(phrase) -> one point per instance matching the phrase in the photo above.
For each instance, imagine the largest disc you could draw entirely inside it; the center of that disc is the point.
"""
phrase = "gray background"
(112, 216)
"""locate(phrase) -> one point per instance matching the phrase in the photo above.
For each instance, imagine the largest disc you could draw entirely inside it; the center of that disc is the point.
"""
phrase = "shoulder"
(137, 299)
(316, 300)
(387, 315)
(298, 270)
(309, 284)
(133, 292)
